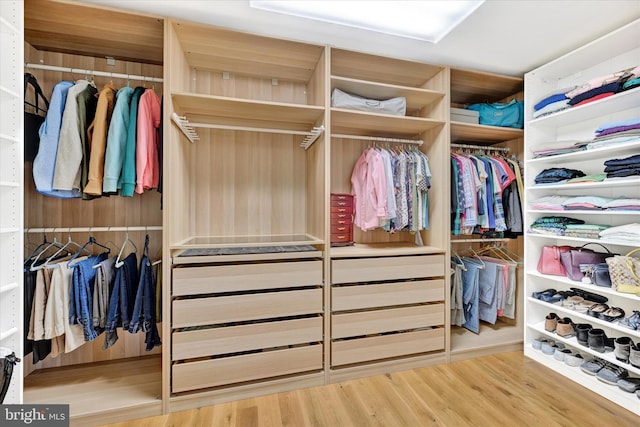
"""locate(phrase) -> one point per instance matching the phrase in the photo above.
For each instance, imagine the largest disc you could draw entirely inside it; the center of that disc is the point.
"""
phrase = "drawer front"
(341, 197)
(384, 346)
(386, 294)
(341, 210)
(255, 336)
(339, 203)
(248, 367)
(340, 228)
(338, 222)
(236, 308)
(378, 321)
(243, 277)
(341, 216)
(341, 238)
(386, 268)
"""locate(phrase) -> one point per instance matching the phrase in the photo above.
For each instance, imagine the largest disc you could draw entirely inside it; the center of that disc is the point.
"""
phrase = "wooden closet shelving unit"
(244, 324)
(124, 381)
(470, 87)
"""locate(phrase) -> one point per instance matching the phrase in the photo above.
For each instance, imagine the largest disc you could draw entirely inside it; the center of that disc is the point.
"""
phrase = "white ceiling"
(503, 36)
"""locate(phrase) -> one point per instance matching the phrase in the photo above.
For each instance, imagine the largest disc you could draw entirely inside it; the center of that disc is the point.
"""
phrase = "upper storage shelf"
(471, 87)
(248, 113)
(66, 27)
(217, 49)
(375, 77)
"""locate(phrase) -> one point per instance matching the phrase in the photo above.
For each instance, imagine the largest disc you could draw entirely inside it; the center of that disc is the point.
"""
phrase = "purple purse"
(572, 259)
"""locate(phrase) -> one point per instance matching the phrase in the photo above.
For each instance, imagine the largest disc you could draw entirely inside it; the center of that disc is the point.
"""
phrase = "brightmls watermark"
(34, 415)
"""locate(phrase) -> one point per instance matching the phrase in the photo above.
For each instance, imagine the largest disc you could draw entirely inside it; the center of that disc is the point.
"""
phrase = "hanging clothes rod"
(92, 229)
(480, 240)
(480, 147)
(380, 139)
(189, 130)
(92, 72)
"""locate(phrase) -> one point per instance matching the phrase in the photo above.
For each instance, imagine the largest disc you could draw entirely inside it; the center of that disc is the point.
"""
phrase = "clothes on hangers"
(89, 151)
(69, 302)
(390, 190)
(485, 194)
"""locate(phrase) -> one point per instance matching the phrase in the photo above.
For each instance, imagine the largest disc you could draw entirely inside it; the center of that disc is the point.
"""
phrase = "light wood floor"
(500, 390)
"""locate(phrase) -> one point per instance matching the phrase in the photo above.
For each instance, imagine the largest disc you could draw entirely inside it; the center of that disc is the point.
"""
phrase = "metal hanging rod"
(93, 72)
(92, 229)
(380, 139)
(189, 130)
(481, 240)
(480, 147)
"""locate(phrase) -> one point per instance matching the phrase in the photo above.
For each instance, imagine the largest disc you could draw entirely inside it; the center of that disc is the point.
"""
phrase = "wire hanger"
(91, 241)
(55, 243)
(55, 255)
(460, 262)
(119, 261)
(36, 250)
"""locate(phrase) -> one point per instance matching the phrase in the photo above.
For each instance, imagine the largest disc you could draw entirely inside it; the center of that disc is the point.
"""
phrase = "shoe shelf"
(573, 315)
(573, 342)
(610, 392)
(592, 288)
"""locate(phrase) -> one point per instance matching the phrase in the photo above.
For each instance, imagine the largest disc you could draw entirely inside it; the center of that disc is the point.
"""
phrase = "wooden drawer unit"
(247, 367)
(242, 338)
(346, 325)
(368, 349)
(386, 294)
(386, 268)
(245, 277)
(245, 307)
(341, 219)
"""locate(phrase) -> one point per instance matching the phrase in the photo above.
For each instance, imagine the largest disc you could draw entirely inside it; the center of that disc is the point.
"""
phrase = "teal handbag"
(510, 114)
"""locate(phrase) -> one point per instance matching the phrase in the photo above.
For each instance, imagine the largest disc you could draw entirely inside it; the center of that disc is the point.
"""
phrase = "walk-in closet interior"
(263, 278)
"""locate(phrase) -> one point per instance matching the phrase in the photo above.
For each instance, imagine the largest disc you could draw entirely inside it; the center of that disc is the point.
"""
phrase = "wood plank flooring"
(493, 391)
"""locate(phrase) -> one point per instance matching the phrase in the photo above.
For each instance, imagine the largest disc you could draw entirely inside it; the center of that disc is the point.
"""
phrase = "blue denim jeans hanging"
(144, 308)
(470, 294)
(122, 299)
(83, 280)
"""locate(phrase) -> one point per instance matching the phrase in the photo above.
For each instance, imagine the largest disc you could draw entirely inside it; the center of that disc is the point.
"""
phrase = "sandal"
(612, 314)
(597, 309)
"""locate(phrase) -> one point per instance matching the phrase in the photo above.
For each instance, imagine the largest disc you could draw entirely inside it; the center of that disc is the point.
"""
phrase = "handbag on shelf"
(597, 274)
(509, 114)
(33, 121)
(572, 259)
(625, 272)
(395, 106)
(549, 261)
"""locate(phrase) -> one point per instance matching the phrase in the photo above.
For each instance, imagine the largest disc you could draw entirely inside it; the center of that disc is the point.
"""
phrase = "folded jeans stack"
(557, 175)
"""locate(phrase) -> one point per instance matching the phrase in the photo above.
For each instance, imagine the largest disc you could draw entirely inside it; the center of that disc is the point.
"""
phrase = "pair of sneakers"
(606, 372)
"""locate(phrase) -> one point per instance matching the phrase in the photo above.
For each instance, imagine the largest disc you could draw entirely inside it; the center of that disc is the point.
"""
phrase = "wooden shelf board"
(381, 69)
(482, 133)
(470, 87)
(382, 249)
(66, 27)
(371, 124)
(247, 54)
(243, 112)
(416, 98)
(97, 387)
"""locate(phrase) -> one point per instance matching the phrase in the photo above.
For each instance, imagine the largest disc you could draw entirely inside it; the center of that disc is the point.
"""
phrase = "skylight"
(423, 20)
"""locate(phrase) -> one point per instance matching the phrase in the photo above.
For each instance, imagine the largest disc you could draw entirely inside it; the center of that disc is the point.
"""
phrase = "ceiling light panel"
(422, 20)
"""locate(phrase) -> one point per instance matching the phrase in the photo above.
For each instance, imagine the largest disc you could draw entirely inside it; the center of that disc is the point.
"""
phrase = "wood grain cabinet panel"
(386, 294)
(246, 367)
(385, 346)
(244, 277)
(254, 336)
(379, 321)
(238, 308)
(386, 268)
